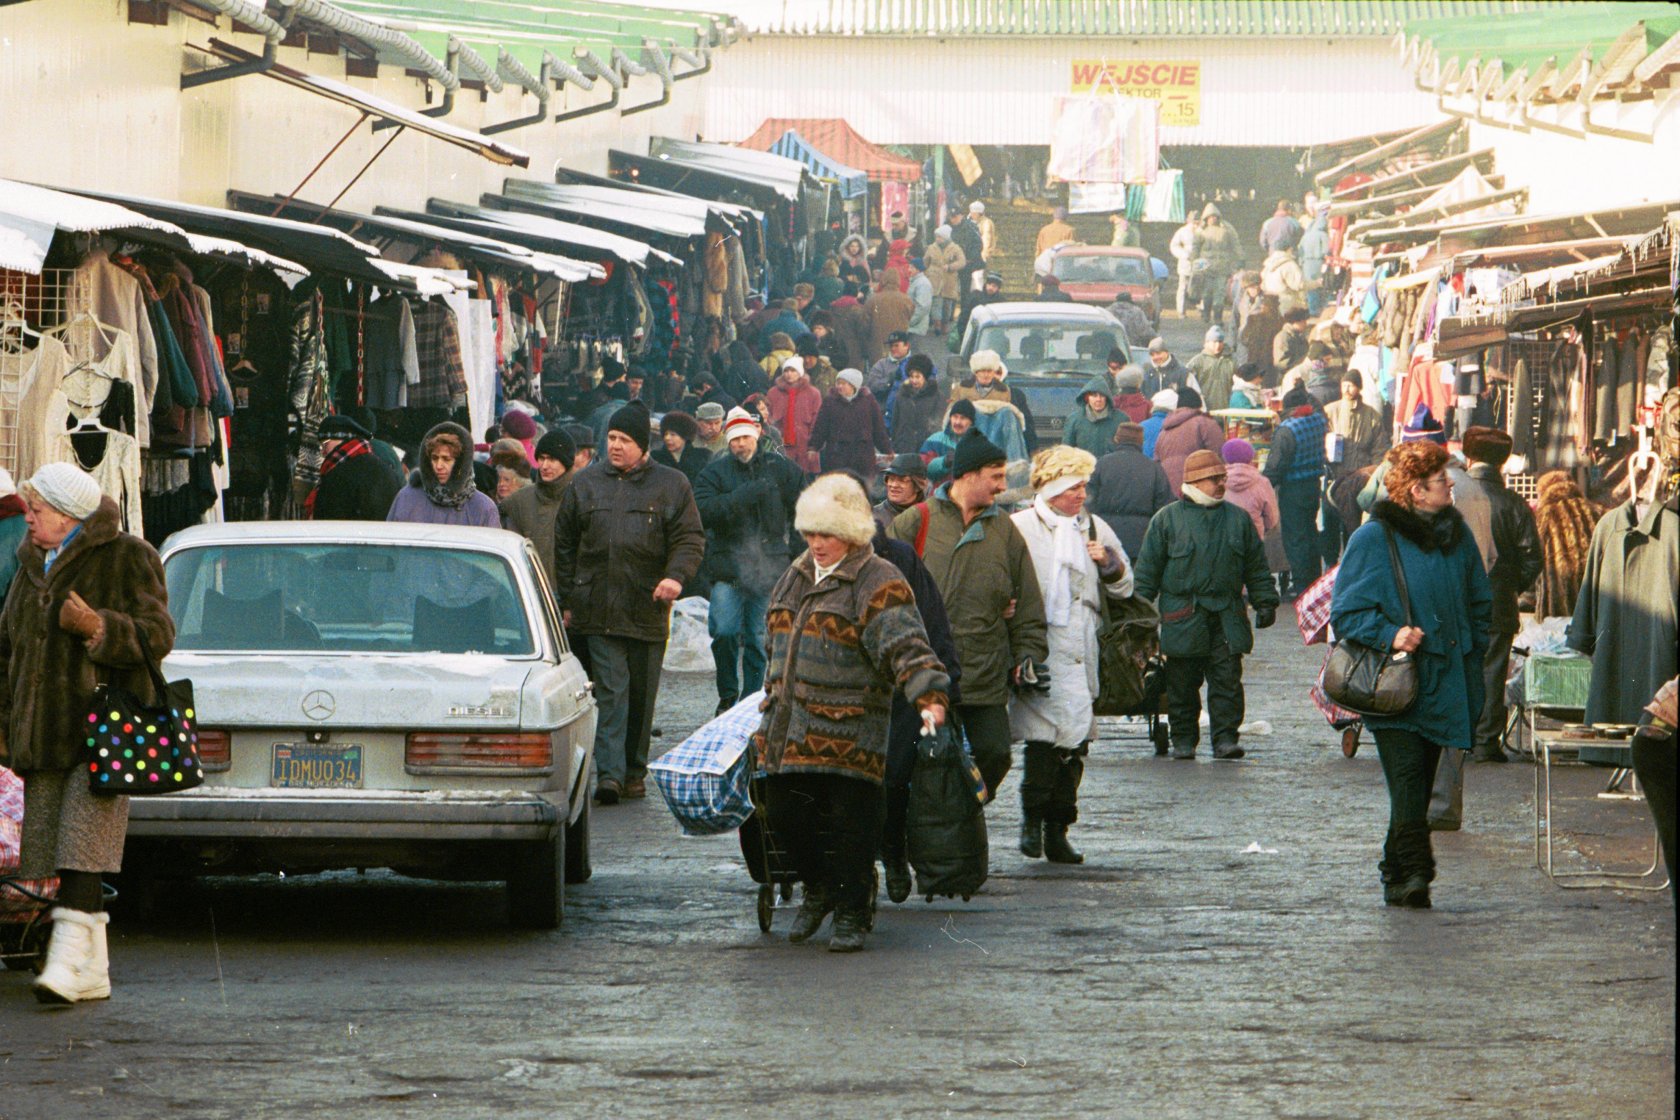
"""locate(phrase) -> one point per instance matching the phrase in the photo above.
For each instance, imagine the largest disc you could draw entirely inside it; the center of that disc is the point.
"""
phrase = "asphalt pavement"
(1224, 951)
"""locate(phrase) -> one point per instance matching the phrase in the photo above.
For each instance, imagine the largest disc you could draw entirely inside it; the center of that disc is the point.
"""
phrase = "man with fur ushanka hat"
(441, 490)
(983, 569)
(627, 539)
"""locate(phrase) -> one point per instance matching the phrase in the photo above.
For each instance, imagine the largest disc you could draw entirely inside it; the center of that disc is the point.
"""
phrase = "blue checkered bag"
(704, 778)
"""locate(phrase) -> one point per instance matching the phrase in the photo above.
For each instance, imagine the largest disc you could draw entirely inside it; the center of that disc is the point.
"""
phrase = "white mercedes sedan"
(375, 694)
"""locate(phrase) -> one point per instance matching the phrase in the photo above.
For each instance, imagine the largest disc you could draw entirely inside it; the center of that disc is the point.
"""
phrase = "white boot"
(78, 960)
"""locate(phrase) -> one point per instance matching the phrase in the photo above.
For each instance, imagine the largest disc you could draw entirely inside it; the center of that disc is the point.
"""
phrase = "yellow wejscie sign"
(1175, 83)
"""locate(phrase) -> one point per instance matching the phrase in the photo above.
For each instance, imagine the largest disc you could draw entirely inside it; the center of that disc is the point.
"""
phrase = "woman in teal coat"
(1451, 605)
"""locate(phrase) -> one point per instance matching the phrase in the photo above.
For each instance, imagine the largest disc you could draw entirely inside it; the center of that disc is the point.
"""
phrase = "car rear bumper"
(285, 815)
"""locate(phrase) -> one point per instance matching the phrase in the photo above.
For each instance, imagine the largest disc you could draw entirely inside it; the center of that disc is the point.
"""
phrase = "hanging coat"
(1625, 614)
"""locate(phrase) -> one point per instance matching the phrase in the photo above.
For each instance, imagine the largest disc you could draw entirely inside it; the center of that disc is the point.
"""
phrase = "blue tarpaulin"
(853, 182)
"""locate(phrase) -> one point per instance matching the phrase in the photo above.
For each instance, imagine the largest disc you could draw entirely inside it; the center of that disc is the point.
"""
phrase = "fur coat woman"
(1565, 520)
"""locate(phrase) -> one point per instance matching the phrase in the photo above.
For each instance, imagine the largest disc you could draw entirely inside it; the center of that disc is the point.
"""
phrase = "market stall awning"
(733, 212)
(680, 210)
(759, 169)
(30, 216)
(320, 248)
(378, 107)
(504, 254)
(840, 143)
(625, 218)
(852, 182)
(1369, 153)
(533, 231)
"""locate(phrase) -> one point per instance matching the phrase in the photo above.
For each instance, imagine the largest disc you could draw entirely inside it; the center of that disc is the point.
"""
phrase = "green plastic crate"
(1554, 680)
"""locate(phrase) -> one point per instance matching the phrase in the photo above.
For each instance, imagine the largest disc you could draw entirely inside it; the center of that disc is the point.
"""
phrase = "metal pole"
(287, 200)
(362, 172)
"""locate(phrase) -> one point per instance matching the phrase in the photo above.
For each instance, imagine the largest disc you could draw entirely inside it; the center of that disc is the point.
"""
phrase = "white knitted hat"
(68, 489)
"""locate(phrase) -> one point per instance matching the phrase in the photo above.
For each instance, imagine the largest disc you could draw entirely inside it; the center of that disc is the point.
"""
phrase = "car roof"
(472, 537)
(1103, 251)
(1033, 311)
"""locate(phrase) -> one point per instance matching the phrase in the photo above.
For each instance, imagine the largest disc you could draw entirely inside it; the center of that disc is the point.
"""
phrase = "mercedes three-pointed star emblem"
(319, 705)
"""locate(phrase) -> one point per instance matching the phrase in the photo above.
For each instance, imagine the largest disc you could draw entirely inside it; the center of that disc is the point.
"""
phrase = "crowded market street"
(839, 558)
(1174, 974)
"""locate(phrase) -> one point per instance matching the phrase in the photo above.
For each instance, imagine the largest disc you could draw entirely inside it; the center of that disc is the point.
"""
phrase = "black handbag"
(137, 750)
(1374, 682)
(1124, 642)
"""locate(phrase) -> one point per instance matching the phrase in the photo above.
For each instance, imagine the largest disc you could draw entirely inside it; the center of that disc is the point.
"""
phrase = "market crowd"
(872, 572)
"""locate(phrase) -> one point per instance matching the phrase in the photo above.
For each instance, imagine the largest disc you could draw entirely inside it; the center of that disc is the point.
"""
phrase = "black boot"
(812, 911)
(1417, 864)
(851, 927)
(1056, 846)
(1389, 870)
(897, 875)
(1032, 836)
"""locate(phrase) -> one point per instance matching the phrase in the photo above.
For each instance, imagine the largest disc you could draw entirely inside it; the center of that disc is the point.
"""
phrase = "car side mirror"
(956, 368)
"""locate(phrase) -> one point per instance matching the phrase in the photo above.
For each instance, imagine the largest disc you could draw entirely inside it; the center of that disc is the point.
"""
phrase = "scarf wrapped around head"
(342, 451)
(457, 490)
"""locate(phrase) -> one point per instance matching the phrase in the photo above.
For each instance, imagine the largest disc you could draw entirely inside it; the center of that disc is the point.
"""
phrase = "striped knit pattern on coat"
(837, 651)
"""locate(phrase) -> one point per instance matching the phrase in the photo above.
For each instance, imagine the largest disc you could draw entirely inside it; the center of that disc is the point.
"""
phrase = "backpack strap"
(922, 530)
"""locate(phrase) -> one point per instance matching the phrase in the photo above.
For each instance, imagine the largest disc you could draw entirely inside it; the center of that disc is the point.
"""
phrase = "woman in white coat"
(1077, 558)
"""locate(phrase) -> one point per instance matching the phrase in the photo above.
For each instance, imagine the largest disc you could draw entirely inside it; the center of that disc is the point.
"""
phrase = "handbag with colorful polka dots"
(137, 749)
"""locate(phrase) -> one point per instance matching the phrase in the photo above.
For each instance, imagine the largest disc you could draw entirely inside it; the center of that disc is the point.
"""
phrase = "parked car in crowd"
(1097, 274)
(1051, 349)
(375, 695)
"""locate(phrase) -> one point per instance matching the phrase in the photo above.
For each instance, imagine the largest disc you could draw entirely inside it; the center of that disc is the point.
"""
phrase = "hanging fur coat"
(1565, 519)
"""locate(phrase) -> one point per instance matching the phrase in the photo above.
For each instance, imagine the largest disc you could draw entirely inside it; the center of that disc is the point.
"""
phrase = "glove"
(1264, 617)
(80, 619)
(1030, 676)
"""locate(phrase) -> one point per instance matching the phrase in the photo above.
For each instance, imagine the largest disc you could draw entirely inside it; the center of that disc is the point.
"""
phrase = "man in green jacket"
(984, 571)
(1198, 555)
(1092, 423)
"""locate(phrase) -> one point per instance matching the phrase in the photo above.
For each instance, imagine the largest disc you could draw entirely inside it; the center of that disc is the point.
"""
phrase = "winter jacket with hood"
(1127, 489)
(1250, 490)
(793, 410)
(747, 509)
(1183, 432)
(1281, 276)
(1215, 373)
(457, 501)
(1064, 717)
(51, 673)
(979, 568)
(1197, 561)
(616, 536)
(1450, 599)
(1090, 431)
(916, 416)
(849, 431)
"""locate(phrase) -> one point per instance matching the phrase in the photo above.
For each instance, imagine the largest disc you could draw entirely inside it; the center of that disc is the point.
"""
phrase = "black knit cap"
(556, 444)
(342, 427)
(633, 420)
(973, 452)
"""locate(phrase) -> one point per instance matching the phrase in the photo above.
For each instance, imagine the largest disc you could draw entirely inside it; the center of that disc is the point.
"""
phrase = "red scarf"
(11, 506)
(346, 450)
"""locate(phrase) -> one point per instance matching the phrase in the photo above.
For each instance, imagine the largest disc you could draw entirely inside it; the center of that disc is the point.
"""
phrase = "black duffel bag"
(945, 826)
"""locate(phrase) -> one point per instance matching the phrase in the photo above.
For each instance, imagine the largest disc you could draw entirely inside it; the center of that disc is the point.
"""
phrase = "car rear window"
(346, 598)
(1102, 269)
(1050, 347)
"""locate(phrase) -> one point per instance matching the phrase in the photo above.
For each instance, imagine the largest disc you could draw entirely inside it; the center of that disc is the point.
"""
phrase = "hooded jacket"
(1450, 600)
(616, 536)
(1250, 490)
(747, 509)
(849, 432)
(1215, 373)
(51, 673)
(1184, 431)
(1090, 432)
(457, 501)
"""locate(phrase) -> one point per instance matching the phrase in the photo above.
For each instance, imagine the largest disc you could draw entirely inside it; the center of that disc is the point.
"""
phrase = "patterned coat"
(837, 651)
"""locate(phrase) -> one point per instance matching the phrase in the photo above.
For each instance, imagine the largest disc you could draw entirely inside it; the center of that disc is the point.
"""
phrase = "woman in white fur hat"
(843, 632)
(1079, 560)
(90, 606)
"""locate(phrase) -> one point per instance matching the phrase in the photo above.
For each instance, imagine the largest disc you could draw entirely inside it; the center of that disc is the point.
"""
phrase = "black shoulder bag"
(135, 749)
(1374, 682)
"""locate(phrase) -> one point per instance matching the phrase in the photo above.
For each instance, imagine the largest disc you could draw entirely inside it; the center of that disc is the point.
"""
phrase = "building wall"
(1566, 174)
(1254, 92)
(95, 102)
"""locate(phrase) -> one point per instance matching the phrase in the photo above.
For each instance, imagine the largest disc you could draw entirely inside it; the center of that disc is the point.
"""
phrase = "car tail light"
(215, 749)
(512, 750)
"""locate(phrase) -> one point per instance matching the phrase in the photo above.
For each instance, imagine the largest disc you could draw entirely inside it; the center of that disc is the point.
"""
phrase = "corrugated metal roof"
(1125, 18)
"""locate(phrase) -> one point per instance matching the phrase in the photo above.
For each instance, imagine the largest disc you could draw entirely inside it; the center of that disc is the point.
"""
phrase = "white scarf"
(1200, 497)
(1067, 556)
(821, 573)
